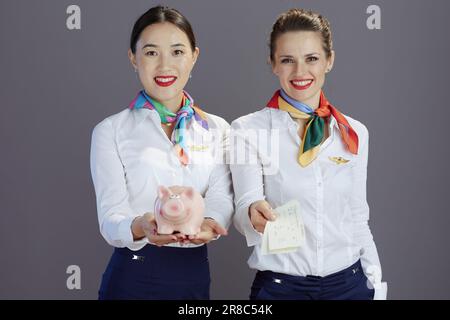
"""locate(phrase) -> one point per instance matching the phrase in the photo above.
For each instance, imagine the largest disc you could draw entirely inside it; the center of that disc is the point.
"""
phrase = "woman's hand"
(209, 230)
(145, 226)
(260, 212)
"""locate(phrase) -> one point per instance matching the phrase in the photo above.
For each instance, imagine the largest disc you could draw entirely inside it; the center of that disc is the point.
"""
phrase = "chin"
(297, 95)
(165, 94)
(303, 95)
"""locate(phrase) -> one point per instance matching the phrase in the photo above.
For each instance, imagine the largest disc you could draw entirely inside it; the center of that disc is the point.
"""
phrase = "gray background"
(56, 84)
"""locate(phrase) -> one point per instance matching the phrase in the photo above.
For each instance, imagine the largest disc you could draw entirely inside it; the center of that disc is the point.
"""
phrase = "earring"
(135, 69)
(190, 75)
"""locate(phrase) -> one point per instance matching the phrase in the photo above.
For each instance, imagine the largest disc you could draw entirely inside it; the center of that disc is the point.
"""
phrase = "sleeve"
(247, 174)
(114, 212)
(219, 195)
(360, 214)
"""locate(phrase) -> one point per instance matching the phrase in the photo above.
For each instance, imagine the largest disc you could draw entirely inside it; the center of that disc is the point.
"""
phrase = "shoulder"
(216, 122)
(112, 122)
(257, 119)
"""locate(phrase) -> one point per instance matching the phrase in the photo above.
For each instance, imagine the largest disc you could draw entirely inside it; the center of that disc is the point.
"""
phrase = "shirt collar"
(139, 115)
(281, 118)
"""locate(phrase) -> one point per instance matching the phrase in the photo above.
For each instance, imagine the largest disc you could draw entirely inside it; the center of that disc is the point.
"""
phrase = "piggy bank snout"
(179, 209)
(174, 208)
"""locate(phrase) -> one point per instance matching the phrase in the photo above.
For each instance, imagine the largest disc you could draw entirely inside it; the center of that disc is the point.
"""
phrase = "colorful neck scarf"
(314, 130)
(181, 118)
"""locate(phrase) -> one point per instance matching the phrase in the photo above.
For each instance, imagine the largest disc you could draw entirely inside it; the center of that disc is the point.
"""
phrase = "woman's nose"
(165, 61)
(300, 69)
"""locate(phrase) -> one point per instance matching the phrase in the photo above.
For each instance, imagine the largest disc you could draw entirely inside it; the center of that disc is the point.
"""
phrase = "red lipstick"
(165, 81)
(301, 84)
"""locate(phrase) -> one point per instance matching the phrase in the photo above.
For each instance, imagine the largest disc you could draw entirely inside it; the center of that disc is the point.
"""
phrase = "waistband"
(173, 254)
(354, 269)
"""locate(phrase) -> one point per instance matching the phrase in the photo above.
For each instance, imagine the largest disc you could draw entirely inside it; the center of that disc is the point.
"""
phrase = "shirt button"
(319, 184)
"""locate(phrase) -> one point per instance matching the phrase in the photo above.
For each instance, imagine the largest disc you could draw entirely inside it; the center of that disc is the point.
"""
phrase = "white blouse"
(332, 196)
(131, 155)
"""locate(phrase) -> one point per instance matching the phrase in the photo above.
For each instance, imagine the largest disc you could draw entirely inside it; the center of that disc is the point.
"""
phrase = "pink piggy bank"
(179, 209)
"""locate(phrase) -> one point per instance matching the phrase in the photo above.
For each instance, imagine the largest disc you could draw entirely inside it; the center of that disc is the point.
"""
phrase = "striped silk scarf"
(181, 118)
(314, 130)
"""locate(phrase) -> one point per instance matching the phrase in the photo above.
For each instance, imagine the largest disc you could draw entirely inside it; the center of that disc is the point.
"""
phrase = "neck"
(313, 101)
(173, 104)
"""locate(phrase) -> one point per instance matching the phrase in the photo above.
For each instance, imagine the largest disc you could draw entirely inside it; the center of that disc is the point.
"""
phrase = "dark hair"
(160, 14)
(301, 20)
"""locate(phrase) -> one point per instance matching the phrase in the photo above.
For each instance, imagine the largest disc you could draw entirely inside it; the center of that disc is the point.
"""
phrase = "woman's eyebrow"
(150, 45)
(306, 55)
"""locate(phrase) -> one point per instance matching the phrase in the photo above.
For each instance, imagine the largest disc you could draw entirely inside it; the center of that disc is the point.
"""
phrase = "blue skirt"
(157, 273)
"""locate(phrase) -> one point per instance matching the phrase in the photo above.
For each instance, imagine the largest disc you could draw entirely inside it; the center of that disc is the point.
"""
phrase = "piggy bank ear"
(189, 192)
(163, 192)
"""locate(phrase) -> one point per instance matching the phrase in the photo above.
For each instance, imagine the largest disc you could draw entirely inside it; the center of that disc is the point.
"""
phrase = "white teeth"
(302, 83)
(164, 79)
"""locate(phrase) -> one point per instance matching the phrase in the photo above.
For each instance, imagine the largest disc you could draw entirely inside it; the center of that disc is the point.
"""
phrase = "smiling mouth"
(301, 84)
(165, 81)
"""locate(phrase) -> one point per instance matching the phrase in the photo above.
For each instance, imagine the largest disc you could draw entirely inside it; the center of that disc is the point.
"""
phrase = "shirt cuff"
(126, 235)
(218, 218)
(252, 236)
(380, 291)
